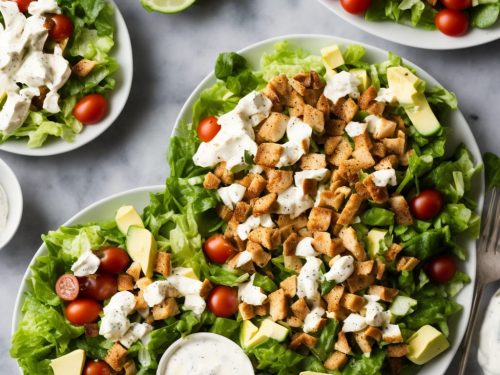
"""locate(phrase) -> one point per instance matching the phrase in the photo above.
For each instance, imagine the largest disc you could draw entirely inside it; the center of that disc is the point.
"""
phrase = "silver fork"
(488, 267)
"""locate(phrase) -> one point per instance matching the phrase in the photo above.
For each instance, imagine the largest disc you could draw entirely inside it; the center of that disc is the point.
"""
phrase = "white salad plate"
(414, 37)
(14, 195)
(103, 210)
(459, 133)
(122, 52)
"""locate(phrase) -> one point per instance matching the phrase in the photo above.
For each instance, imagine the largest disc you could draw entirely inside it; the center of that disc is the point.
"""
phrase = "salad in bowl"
(312, 216)
(56, 68)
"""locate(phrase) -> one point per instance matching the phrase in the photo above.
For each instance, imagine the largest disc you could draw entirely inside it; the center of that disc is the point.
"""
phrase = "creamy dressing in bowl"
(204, 354)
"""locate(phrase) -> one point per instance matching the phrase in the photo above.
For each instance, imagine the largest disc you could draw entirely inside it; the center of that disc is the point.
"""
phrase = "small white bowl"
(10, 185)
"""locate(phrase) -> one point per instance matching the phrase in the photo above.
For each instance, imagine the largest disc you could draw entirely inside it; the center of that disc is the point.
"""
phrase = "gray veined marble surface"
(172, 53)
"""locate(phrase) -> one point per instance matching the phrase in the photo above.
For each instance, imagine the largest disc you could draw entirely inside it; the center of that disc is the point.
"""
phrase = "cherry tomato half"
(113, 259)
(208, 128)
(23, 5)
(356, 6)
(457, 4)
(223, 301)
(99, 287)
(96, 368)
(218, 249)
(81, 311)
(60, 27)
(427, 205)
(67, 287)
(452, 22)
(91, 109)
(441, 269)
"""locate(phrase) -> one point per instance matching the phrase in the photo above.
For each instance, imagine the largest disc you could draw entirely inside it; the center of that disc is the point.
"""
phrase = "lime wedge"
(166, 6)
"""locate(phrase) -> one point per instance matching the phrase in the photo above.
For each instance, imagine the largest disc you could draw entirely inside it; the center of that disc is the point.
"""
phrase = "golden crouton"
(273, 129)
(342, 152)
(280, 84)
(407, 264)
(265, 205)
(256, 187)
(300, 309)
(315, 118)
(323, 105)
(379, 150)
(294, 322)
(342, 345)
(224, 174)
(262, 310)
(323, 243)
(378, 194)
(319, 219)
(125, 282)
(271, 93)
(83, 67)
(290, 244)
(390, 161)
(268, 237)
(313, 161)
(334, 297)
(356, 283)
(278, 180)
(373, 332)
(401, 210)
(376, 108)
(298, 223)
(365, 268)
(310, 187)
(385, 294)
(166, 309)
(396, 145)
(362, 149)
(247, 311)
(297, 86)
(339, 196)
(336, 361)
(130, 368)
(363, 342)
(393, 251)
(115, 357)
(302, 338)
(211, 181)
(331, 144)
(380, 270)
(135, 270)
(385, 129)
(246, 267)
(268, 154)
(304, 78)
(289, 285)
(345, 109)
(278, 306)
(367, 97)
(143, 282)
(140, 302)
(335, 127)
(162, 263)
(316, 82)
(350, 210)
(242, 211)
(206, 288)
(224, 212)
(397, 351)
(351, 243)
(352, 302)
(259, 256)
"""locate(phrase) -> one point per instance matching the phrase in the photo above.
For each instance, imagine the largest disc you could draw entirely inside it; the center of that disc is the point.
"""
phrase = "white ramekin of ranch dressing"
(488, 354)
(204, 354)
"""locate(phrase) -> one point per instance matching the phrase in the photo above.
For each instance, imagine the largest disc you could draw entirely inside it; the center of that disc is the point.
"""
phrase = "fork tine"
(488, 222)
(495, 238)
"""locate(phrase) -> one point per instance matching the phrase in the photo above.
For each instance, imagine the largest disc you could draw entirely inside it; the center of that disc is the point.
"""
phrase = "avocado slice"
(408, 89)
(362, 75)
(402, 305)
(425, 344)
(141, 246)
(248, 330)
(268, 330)
(373, 239)
(69, 364)
(127, 216)
(332, 57)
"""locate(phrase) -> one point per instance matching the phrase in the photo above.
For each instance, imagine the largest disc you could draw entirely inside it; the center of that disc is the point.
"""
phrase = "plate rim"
(18, 213)
(124, 76)
(381, 30)
(463, 317)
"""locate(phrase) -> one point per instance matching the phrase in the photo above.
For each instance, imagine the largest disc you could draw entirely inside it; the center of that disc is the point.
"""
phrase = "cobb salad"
(311, 216)
(451, 17)
(55, 67)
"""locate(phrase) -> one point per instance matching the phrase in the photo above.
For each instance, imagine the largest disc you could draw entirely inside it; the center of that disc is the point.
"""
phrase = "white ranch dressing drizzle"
(489, 342)
(205, 354)
(4, 209)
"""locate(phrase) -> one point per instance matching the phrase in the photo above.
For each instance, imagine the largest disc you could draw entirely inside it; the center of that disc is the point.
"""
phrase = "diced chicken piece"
(162, 263)
(345, 109)
(83, 67)
(262, 310)
(302, 338)
(211, 181)
(242, 212)
(353, 302)
(331, 144)
(365, 268)
(342, 152)
(274, 127)
(363, 342)
(298, 223)
(319, 219)
(336, 361)
(313, 161)
(385, 129)
(280, 84)
(367, 97)
(224, 212)
(351, 243)
(350, 210)
(376, 108)
(385, 294)
(379, 150)
(323, 105)
(268, 237)
(397, 351)
(290, 244)
(268, 154)
(125, 282)
(271, 93)
(279, 180)
(342, 344)
(300, 309)
(166, 309)
(206, 288)
(296, 104)
(380, 270)
(324, 244)
(115, 357)
(315, 118)
(224, 174)
(373, 332)
(294, 322)
(349, 169)
(143, 282)
(260, 257)
(388, 162)
(396, 145)
(265, 205)
(407, 264)
(256, 187)
(401, 210)
(334, 297)
(247, 311)
(278, 306)
(297, 86)
(393, 251)
(289, 286)
(378, 194)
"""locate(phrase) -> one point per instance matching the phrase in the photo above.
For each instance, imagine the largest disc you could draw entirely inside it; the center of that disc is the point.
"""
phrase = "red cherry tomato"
(427, 205)
(356, 6)
(60, 27)
(91, 109)
(67, 287)
(81, 311)
(223, 301)
(98, 287)
(97, 368)
(218, 249)
(23, 5)
(452, 22)
(441, 269)
(208, 128)
(113, 259)
(457, 4)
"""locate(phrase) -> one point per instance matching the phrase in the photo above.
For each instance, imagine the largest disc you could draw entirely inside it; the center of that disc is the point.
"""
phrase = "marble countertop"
(172, 53)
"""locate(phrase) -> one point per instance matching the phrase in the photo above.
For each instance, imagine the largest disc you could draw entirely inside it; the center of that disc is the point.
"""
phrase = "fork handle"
(467, 343)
